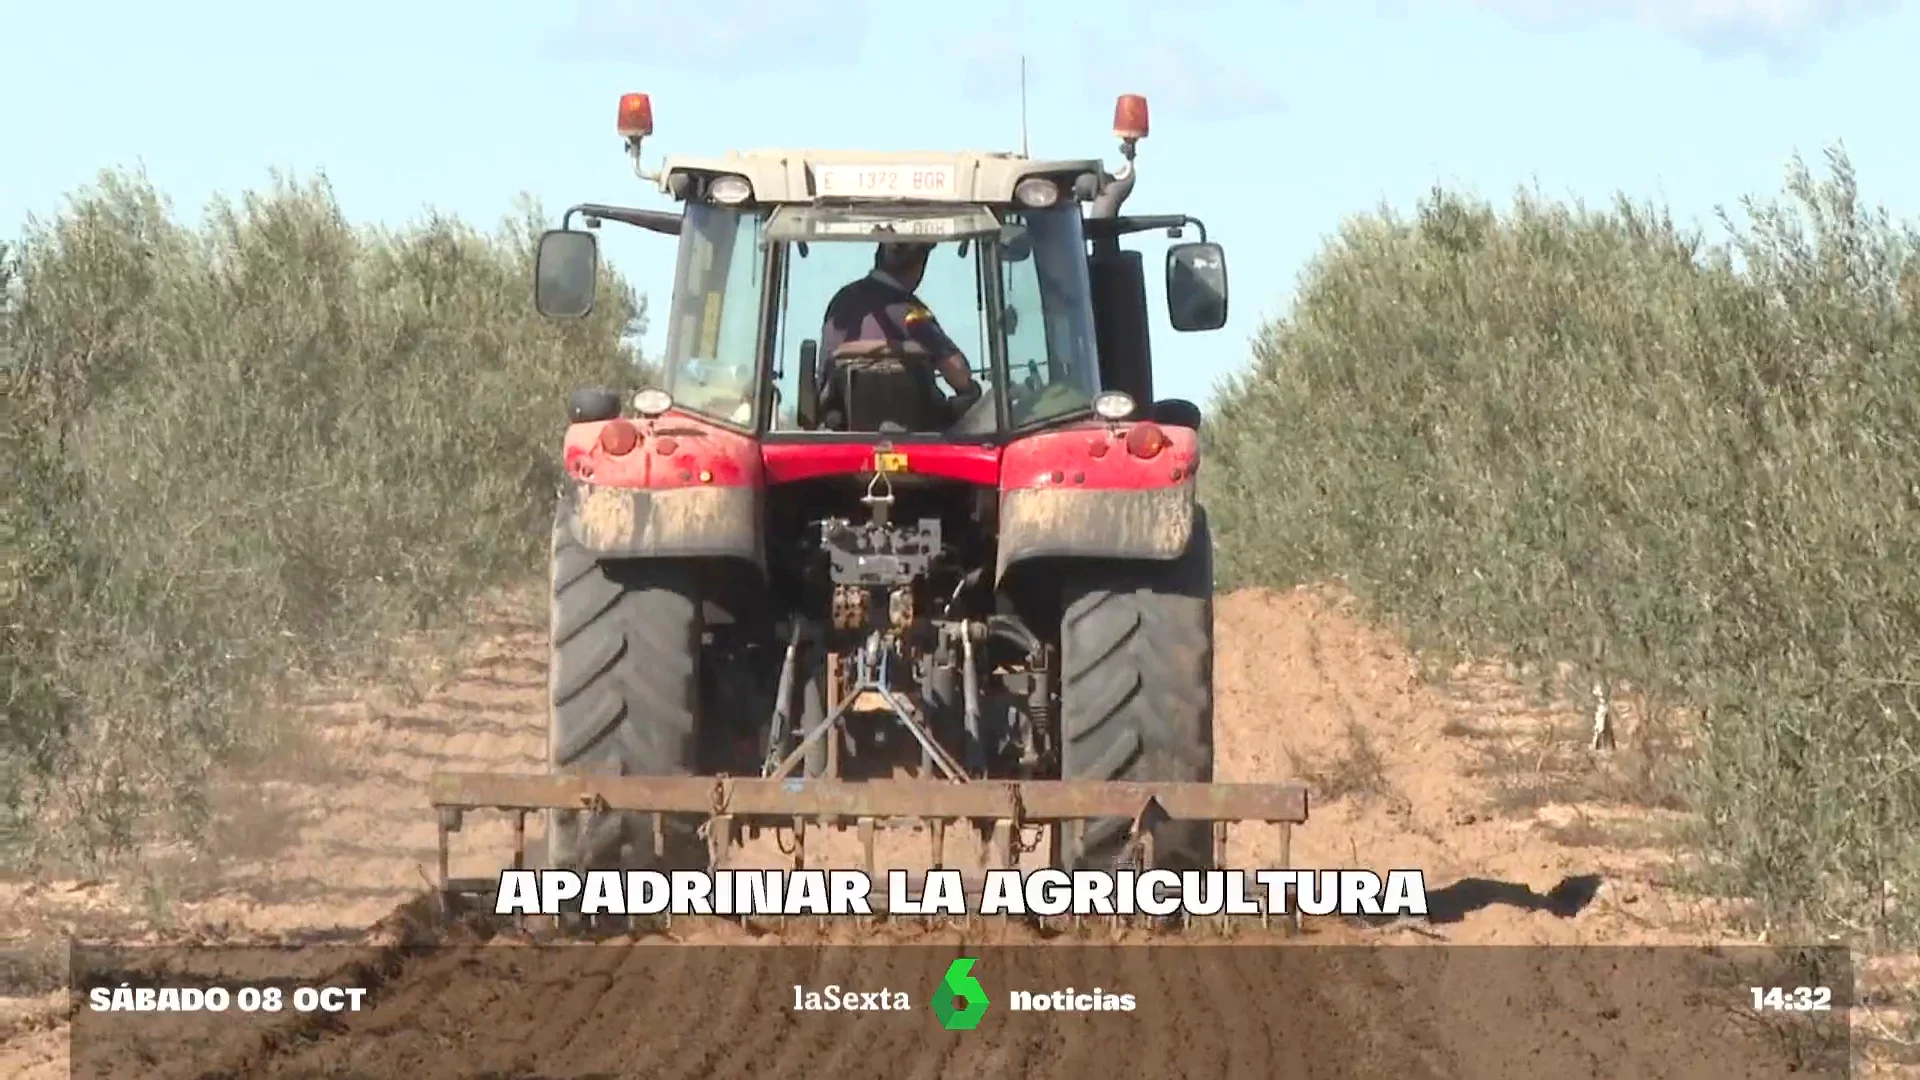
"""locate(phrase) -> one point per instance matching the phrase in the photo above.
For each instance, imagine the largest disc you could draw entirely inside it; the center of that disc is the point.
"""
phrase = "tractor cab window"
(713, 325)
(949, 291)
(1052, 359)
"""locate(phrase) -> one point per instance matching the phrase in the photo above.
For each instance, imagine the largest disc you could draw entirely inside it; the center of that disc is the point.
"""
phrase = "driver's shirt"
(878, 308)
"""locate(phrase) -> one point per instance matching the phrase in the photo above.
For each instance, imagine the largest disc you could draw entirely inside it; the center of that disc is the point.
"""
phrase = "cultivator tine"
(1138, 851)
(1139, 846)
(519, 857)
(1005, 809)
(1286, 862)
(718, 828)
(866, 827)
(719, 840)
(449, 824)
(1019, 802)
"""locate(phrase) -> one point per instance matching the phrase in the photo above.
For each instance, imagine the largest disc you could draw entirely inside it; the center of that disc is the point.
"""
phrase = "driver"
(882, 307)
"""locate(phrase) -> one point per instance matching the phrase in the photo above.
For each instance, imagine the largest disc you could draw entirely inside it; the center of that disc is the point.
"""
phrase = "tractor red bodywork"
(682, 485)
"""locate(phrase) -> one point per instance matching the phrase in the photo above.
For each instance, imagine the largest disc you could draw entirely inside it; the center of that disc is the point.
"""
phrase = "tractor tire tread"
(1137, 691)
(623, 693)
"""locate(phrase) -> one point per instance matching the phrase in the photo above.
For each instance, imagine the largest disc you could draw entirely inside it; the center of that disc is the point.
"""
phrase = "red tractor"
(824, 569)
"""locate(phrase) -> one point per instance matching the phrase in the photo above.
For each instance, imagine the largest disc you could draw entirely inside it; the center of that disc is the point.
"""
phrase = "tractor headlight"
(1113, 405)
(652, 403)
(730, 190)
(1036, 192)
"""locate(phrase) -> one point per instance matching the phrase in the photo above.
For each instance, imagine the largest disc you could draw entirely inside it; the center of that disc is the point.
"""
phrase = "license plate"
(938, 226)
(884, 181)
(889, 462)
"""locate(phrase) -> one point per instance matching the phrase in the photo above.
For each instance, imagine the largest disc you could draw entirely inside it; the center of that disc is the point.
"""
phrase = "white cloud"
(1782, 29)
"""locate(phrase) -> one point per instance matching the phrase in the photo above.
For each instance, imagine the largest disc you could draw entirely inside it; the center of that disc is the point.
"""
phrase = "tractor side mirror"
(566, 269)
(1197, 286)
(807, 401)
(1175, 412)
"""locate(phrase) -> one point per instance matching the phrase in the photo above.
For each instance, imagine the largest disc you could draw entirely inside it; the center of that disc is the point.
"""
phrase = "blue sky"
(1272, 119)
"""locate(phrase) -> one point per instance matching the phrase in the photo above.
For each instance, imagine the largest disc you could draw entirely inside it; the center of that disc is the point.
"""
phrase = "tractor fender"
(685, 489)
(1081, 492)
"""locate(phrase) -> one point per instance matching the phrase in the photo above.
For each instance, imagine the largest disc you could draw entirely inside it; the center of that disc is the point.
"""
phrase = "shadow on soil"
(1468, 895)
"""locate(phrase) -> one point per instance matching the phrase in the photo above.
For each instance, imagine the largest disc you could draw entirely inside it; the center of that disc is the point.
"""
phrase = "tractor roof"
(803, 176)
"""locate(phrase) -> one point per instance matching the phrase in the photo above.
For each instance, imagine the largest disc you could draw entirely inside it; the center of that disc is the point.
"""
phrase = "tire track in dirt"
(814, 1049)
(671, 1046)
(763, 1035)
(326, 836)
(1163, 1057)
(1248, 1046)
(1296, 679)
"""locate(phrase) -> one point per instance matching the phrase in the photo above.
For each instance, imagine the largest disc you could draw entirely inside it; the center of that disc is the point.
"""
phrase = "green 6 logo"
(960, 1001)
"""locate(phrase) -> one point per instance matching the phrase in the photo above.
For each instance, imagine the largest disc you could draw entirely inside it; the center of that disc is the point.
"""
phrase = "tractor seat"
(884, 386)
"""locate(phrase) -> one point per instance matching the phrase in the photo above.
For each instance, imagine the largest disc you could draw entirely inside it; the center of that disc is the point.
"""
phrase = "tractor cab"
(1000, 293)
(1015, 285)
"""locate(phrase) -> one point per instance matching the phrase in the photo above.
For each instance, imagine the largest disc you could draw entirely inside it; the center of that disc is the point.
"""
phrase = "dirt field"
(1475, 785)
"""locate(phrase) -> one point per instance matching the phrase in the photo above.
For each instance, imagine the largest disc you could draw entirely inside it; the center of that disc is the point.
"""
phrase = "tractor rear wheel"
(624, 688)
(1136, 693)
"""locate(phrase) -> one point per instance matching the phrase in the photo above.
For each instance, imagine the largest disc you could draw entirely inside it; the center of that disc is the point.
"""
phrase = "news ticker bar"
(1249, 1009)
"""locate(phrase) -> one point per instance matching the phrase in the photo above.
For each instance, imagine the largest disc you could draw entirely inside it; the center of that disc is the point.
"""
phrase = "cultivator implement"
(734, 809)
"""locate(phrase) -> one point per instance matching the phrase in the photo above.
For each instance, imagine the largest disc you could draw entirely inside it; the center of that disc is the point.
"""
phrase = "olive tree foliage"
(246, 451)
(1689, 468)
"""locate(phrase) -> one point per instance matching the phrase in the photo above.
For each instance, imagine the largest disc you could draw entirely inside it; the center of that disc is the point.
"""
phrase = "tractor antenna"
(1023, 105)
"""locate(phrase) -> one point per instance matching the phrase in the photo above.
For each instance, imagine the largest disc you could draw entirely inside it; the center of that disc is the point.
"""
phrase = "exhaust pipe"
(1120, 185)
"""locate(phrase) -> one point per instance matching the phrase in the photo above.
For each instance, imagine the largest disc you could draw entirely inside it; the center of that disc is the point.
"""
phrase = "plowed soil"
(332, 843)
